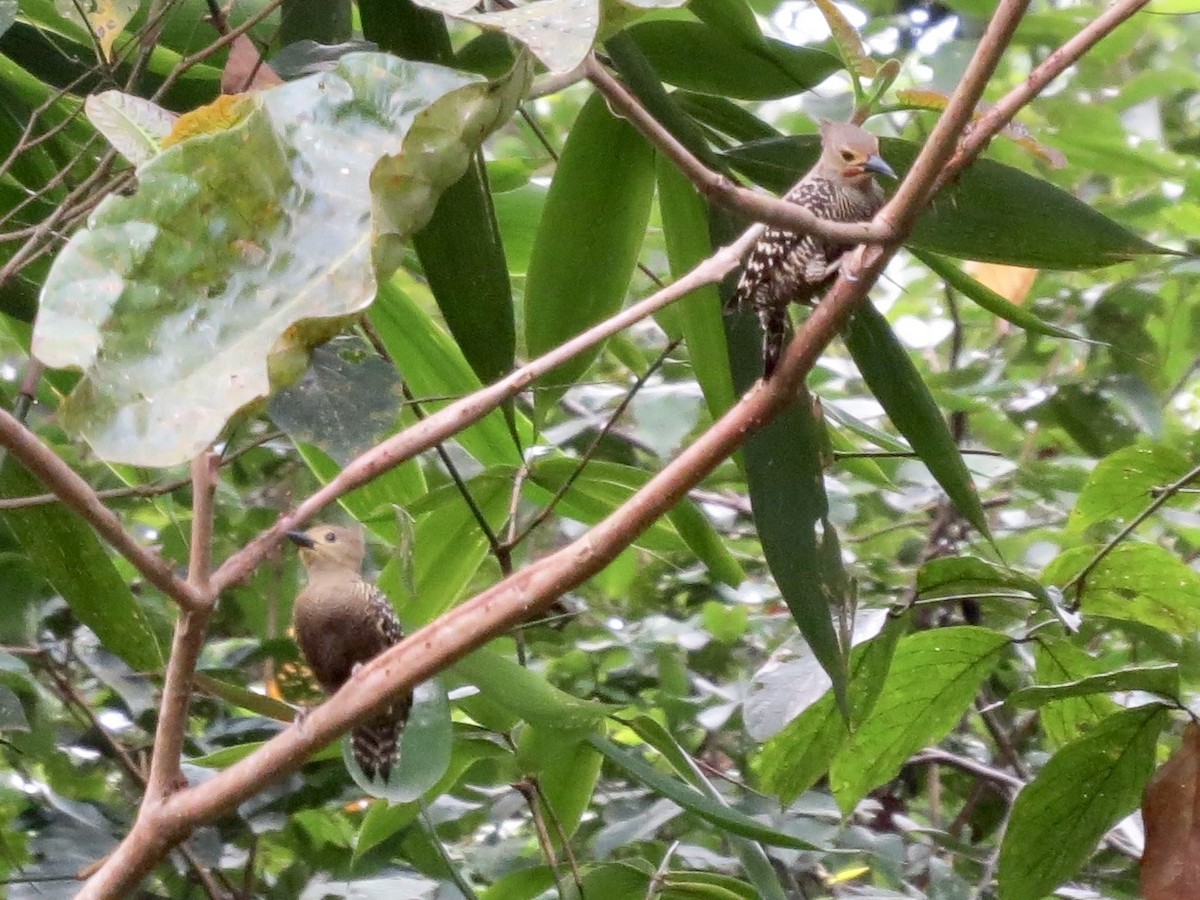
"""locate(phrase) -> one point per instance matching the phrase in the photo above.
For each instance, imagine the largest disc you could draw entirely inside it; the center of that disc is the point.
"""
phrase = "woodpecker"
(342, 621)
(785, 267)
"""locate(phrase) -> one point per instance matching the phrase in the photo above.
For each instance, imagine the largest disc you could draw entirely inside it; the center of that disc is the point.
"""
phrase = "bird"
(342, 621)
(785, 267)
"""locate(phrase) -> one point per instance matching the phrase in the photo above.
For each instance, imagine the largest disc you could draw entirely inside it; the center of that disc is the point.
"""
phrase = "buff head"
(850, 154)
(330, 547)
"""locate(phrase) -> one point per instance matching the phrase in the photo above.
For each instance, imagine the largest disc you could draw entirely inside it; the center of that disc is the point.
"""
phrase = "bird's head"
(330, 547)
(850, 154)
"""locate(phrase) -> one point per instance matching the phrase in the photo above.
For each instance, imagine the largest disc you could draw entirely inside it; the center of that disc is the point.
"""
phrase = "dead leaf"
(245, 69)
(1171, 811)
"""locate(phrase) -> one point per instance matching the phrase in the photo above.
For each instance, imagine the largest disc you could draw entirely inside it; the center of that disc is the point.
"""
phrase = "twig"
(456, 416)
(165, 774)
(539, 585)
(718, 188)
(46, 466)
(1164, 495)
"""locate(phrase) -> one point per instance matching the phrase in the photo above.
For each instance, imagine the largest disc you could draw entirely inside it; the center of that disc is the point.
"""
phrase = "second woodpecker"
(342, 621)
(785, 267)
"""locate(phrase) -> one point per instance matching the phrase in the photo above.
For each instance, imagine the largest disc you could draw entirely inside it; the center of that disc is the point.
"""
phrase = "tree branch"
(536, 587)
(719, 189)
(45, 465)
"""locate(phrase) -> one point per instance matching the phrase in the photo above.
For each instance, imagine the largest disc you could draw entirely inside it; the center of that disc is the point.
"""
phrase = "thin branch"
(716, 187)
(995, 119)
(46, 466)
(540, 584)
(1164, 495)
(165, 774)
(549, 508)
(456, 416)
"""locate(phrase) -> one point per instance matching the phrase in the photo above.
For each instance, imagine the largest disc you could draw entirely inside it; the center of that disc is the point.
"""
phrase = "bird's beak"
(302, 539)
(876, 164)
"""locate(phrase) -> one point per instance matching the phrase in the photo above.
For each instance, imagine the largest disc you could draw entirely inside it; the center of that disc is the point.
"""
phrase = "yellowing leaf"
(220, 115)
(1013, 283)
(105, 19)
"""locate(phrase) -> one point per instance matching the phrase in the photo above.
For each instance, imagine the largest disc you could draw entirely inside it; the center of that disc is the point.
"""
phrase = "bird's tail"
(376, 745)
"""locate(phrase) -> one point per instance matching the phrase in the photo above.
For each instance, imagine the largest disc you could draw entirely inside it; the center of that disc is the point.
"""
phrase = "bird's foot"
(852, 262)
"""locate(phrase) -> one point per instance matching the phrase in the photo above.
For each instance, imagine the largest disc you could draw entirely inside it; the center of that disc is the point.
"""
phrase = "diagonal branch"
(537, 586)
(716, 187)
(46, 466)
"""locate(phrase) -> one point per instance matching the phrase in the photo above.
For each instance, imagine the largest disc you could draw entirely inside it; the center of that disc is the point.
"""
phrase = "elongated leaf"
(587, 242)
(784, 472)
(994, 212)
(68, 554)
(694, 801)
(567, 768)
(698, 57)
(173, 299)
(1083, 791)
(604, 486)
(436, 371)
(475, 299)
(933, 678)
(900, 390)
(1162, 680)
(1058, 661)
(698, 317)
(754, 860)
(526, 693)
(991, 301)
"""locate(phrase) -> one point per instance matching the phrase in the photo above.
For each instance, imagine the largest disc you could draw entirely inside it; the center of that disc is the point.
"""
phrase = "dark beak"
(300, 538)
(876, 164)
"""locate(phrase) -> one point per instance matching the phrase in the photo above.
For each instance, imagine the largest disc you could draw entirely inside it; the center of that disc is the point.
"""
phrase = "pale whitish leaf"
(174, 300)
(134, 126)
(559, 33)
(8, 14)
(792, 680)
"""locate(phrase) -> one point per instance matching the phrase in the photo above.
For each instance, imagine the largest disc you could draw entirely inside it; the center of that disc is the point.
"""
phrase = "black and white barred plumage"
(785, 267)
(341, 622)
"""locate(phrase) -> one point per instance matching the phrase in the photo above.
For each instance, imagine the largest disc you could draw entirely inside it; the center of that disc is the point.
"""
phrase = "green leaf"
(697, 318)
(66, 552)
(991, 301)
(448, 547)
(791, 511)
(1058, 660)
(1161, 679)
(527, 694)
(694, 801)
(792, 761)
(754, 859)
(134, 126)
(1083, 790)
(1121, 485)
(1136, 582)
(436, 370)
(900, 390)
(173, 299)
(425, 746)
(244, 698)
(567, 768)
(698, 57)
(604, 486)
(933, 679)
(994, 212)
(476, 299)
(949, 575)
(588, 239)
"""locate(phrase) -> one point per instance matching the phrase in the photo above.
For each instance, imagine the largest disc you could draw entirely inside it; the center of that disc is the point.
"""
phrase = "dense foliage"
(926, 634)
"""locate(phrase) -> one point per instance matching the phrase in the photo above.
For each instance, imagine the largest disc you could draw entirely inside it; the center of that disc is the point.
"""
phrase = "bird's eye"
(848, 155)
(330, 537)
